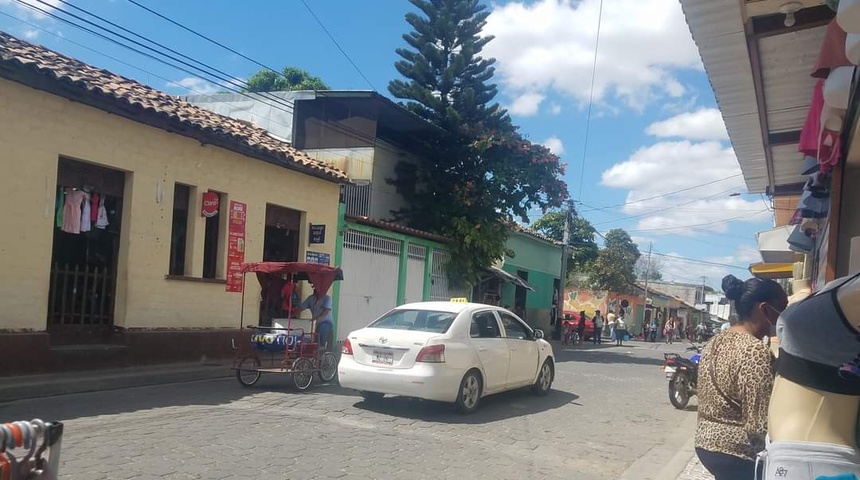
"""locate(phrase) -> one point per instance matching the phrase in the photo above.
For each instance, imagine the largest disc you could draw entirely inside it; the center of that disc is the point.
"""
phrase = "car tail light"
(432, 354)
(347, 348)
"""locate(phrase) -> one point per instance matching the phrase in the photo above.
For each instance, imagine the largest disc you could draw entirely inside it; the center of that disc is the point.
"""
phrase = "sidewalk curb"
(679, 446)
(20, 388)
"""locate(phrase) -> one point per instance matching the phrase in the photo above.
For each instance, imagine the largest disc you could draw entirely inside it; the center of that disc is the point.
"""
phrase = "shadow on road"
(516, 403)
(604, 355)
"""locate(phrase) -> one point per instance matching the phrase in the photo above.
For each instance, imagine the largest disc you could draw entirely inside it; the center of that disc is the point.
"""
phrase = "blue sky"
(653, 129)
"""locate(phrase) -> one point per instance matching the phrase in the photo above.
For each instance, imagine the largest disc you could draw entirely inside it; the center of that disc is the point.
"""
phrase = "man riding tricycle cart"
(298, 347)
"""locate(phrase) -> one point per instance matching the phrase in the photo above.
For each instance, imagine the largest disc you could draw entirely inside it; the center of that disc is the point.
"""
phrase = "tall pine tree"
(478, 171)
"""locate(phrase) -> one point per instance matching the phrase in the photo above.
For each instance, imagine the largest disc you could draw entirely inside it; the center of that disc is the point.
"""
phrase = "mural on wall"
(579, 300)
(625, 302)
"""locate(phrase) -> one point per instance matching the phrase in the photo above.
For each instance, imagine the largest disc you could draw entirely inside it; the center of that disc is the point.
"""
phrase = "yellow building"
(151, 285)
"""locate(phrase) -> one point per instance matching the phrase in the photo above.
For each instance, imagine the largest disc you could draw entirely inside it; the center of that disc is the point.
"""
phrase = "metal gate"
(370, 289)
(415, 273)
(440, 289)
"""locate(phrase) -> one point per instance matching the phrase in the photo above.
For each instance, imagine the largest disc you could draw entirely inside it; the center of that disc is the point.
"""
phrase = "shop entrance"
(87, 222)
(280, 244)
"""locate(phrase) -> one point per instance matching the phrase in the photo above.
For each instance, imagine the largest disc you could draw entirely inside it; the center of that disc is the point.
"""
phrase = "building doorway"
(520, 295)
(281, 239)
(87, 225)
(280, 244)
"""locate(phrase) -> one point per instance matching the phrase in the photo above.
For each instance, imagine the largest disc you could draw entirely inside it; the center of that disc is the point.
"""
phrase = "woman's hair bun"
(733, 287)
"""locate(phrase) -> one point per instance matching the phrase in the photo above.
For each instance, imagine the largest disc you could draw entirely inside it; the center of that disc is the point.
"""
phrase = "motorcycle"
(683, 375)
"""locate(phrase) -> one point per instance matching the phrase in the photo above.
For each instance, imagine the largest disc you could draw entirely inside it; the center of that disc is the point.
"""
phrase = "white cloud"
(549, 45)
(27, 11)
(555, 145)
(707, 173)
(195, 85)
(527, 104)
(555, 109)
(31, 34)
(702, 124)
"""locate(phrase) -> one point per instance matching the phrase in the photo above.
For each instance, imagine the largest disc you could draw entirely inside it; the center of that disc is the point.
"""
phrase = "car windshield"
(416, 320)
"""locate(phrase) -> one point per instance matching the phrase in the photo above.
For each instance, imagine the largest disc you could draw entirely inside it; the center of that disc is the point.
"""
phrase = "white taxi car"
(446, 351)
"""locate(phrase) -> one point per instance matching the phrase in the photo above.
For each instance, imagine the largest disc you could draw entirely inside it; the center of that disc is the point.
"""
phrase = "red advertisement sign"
(211, 202)
(235, 245)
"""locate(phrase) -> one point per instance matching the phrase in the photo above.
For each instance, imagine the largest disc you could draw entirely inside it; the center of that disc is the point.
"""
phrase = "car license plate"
(382, 357)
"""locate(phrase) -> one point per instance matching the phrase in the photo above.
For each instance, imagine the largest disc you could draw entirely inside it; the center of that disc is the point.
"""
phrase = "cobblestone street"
(608, 410)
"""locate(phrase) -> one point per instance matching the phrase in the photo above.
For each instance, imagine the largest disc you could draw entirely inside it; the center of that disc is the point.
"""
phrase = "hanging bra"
(818, 347)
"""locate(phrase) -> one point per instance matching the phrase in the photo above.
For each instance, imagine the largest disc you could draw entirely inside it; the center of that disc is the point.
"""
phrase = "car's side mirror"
(538, 334)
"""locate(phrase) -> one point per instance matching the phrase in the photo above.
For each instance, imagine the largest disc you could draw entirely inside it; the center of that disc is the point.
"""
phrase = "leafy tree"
(479, 170)
(292, 79)
(613, 269)
(649, 269)
(583, 248)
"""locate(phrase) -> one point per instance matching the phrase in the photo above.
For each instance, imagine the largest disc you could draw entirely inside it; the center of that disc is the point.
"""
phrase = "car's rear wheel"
(544, 379)
(372, 397)
(469, 395)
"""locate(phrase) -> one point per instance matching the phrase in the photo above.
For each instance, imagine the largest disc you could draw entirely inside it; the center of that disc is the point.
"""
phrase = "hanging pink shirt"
(808, 144)
(72, 211)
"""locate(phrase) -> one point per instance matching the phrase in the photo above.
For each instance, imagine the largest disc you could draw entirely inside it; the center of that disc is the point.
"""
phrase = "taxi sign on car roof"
(460, 300)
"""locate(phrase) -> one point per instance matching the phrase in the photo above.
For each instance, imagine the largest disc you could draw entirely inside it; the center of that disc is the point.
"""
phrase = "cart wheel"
(328, 367)
(303, 373)
(247, 371)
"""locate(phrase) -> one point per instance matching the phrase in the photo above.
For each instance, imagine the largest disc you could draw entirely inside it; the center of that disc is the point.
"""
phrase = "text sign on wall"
(318, 258)
(211, 202)
(235, 245)
(317, 234)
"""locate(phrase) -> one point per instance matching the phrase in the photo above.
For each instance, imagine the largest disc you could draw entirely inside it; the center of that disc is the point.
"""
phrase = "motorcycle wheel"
(679, 390)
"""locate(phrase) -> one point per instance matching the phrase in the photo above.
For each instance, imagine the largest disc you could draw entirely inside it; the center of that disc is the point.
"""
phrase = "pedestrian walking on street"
(580, 327)
(669, 330)
(598, 328)
(610, 322)
(735, 381)
(620, 331)
(652, 330)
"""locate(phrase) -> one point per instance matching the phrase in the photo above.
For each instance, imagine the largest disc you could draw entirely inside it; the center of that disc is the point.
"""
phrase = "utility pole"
(562, 284)
(647, 274)
(704, 305)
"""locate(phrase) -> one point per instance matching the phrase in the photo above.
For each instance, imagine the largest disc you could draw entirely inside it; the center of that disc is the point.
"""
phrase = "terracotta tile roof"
(394, 227)
(527, 231)
(31, 64)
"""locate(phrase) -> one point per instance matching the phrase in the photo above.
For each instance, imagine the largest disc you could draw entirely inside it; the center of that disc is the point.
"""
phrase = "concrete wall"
(37, 128)
(384, 197)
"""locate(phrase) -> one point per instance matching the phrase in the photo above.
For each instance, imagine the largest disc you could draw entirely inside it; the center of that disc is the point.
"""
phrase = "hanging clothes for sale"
(86, 215)
(101, 216)
(72, 211)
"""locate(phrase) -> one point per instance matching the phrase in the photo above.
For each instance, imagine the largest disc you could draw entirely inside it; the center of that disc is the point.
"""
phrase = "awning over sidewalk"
(773, 245)
(507, 277)
(772, 271)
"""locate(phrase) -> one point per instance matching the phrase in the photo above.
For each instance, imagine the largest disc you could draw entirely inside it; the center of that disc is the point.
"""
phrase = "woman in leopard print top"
(735, 380)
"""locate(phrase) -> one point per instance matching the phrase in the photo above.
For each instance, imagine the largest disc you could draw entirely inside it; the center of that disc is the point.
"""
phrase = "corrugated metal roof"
(717, 27)
(718, 30)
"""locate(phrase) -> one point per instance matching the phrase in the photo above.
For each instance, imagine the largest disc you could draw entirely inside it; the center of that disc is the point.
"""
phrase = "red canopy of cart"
(321, 276)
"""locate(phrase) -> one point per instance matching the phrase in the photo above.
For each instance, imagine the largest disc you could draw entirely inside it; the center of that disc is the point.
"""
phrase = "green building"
(527, 281)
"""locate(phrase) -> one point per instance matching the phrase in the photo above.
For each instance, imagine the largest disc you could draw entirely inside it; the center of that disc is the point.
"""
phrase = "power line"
(672, 207)
(668, 193)
(704, 262)
(697, 225)
(204, 37)
(234, 86)
(33, 25)
(590, 98)
(331, 37)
